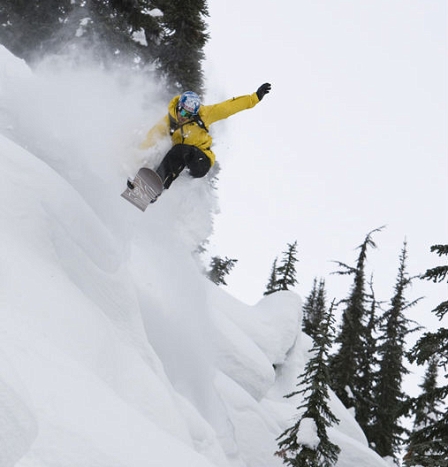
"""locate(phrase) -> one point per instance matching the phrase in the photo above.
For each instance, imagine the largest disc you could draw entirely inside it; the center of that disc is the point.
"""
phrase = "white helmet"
(189, 101)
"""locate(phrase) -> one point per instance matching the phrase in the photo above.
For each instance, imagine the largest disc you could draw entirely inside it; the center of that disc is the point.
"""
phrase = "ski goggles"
(185, 114)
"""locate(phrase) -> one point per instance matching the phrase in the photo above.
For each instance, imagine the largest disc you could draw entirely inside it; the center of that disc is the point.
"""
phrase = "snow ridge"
(114, 348)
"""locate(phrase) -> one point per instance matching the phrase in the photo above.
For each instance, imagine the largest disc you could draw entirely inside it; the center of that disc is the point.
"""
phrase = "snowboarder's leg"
(197, 162)
(179, 157)
(172, 164)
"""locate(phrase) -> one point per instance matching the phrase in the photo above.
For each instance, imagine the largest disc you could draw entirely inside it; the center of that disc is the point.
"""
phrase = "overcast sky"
(353, 136)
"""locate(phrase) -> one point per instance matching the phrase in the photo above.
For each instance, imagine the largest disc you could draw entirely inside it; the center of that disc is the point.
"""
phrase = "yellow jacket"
(191, 133)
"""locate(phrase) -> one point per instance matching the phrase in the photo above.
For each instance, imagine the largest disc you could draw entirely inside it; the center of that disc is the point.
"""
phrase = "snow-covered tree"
(306, 443)
(430, 442)
(105, 29)
(386, 433)
(169, 35)
(181, 49)
(26, 26)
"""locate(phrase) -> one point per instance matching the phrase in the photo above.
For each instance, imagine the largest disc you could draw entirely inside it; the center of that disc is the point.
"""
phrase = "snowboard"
(146, 187)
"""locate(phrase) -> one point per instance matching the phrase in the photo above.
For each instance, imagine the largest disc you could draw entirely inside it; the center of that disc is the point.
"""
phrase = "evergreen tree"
(106, 29)
(272, 283)
(386, 431)
(181, 48)
(438, 274)
(314, 308)
(170, 35)
(365, 402)
(124, 29)
(431, 442)
(219, 268)
(284, 276)
(295, 446)
(308, 310)
(426, 408)
(347, 379)
(286, 272)
(25, 26)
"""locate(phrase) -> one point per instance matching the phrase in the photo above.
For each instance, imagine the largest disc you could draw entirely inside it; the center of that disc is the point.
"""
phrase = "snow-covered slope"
(114, 348)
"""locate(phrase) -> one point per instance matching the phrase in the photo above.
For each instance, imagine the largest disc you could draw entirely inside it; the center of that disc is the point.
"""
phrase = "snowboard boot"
(168, 176)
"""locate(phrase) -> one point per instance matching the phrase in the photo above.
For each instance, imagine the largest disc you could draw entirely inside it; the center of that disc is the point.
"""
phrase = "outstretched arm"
(215, 112)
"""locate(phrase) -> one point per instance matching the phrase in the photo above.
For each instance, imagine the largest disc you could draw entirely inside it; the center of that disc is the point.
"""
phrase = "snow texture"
(307, 434)
(115, 350)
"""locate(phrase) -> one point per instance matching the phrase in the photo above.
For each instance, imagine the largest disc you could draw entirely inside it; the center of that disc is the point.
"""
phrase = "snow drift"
(114, 349)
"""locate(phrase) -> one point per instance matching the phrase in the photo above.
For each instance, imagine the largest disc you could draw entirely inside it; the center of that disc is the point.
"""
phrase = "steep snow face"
(114, 348)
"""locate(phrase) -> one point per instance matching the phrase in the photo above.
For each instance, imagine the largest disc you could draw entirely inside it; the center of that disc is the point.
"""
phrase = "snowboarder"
(187, 122)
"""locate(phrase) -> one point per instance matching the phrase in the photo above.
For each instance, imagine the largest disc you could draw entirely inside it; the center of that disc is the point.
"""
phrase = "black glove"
(263, 90)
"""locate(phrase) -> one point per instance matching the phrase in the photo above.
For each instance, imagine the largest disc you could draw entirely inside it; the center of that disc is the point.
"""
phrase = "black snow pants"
(179, 157)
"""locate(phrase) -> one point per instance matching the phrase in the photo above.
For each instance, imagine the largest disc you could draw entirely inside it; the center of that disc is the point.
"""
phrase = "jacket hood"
(172, 106)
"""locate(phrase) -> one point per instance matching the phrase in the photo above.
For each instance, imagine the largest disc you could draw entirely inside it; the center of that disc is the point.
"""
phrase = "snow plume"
(114, 348)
